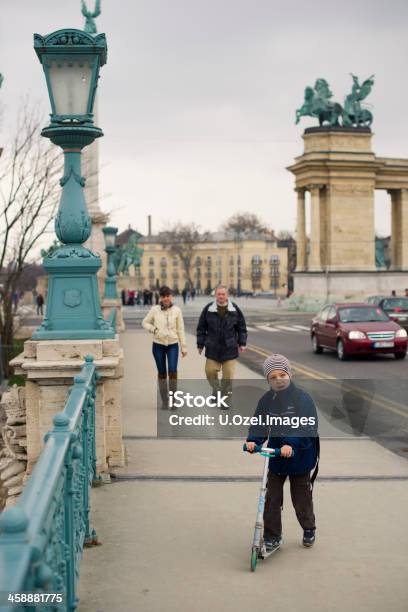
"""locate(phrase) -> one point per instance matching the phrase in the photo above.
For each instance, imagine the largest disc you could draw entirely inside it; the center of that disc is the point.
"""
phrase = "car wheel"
(317, 349)
(400, 355)
(341, 353)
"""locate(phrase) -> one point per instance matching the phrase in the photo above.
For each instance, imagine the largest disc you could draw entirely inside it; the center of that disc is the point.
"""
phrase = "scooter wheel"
(254, 559)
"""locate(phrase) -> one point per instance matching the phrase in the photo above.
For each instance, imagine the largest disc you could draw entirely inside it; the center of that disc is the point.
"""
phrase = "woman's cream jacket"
(166, 325)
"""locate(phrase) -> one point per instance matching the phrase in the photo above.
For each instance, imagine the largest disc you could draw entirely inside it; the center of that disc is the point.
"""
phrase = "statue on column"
(90, 25)
(318, 103)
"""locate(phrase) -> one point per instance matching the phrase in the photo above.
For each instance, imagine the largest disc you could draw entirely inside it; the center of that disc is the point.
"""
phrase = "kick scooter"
(258, 545)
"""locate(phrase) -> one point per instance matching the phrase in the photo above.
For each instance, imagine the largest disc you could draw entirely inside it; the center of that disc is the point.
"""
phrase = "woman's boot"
(173, 381)
(163, 391)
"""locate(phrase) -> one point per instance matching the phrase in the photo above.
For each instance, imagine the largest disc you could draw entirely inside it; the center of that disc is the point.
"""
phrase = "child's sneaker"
(272, 542)
(308, 537)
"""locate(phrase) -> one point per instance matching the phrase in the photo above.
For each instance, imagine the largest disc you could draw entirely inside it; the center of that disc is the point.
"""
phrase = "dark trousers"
(301, 493)
(161, 352)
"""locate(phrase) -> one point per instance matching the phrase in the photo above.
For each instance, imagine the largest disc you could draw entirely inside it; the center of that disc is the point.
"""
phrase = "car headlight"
(401, 333)
(356, 335)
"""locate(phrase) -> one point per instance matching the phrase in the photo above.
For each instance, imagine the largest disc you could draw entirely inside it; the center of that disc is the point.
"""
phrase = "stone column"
(404, 229)
(300, 231)
(314, 264)
(90, 170)
(395, 229)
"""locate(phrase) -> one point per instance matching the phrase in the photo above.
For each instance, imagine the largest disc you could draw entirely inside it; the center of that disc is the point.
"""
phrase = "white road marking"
(266, 328)
(302, 327)
(285, 328)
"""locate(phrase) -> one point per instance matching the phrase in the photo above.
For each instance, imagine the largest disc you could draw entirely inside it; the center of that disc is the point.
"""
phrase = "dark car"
(395, 307)
(357, 329)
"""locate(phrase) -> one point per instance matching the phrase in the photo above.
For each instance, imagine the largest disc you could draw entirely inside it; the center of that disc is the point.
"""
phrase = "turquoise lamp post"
(71, 60)
(111, 292)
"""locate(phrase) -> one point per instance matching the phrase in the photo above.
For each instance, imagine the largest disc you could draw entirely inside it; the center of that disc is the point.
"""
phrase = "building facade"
(254, 263)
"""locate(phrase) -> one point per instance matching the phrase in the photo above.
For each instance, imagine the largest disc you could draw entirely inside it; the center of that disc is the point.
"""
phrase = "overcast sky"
(198, 98)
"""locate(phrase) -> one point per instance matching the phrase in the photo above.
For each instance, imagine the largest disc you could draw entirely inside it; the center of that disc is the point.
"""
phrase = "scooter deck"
(264, 554)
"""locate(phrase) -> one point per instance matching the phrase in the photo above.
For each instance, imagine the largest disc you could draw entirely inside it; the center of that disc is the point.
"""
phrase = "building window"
(151, 261)
(274, 272)
(256, 271)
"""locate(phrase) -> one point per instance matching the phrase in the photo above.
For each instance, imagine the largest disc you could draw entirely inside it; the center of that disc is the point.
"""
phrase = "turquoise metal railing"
(43, 536)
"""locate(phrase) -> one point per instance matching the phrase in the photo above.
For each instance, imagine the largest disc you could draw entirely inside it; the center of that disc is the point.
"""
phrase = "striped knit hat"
(276, 362)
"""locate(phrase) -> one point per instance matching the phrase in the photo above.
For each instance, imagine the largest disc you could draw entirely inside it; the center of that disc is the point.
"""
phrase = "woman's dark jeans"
(160, 352)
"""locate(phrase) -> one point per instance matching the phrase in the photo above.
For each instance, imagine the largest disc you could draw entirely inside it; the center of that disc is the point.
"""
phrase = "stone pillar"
(314, 264)
(395, 229)
(301, 231)
(90, 170)
(404, 229)
(49, 368)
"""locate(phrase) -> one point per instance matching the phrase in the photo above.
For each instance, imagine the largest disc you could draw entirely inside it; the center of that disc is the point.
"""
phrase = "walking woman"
(165, 322)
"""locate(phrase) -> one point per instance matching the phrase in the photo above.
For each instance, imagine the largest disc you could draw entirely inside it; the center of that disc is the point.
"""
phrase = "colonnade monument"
(340, 171)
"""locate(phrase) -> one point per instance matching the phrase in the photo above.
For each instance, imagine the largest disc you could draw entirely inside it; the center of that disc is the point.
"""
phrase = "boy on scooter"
(284, 399)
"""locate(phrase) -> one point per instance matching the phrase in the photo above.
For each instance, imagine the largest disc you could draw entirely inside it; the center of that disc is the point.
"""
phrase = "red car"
(357, 329)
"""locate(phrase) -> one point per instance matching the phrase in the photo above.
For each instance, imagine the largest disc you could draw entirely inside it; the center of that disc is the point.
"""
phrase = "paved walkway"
(184, 544)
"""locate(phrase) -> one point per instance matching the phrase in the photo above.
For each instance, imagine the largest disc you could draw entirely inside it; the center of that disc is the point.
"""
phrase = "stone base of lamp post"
(107, 305)
(49, 368)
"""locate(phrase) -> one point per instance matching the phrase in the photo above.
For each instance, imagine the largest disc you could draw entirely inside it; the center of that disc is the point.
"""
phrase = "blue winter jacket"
(290, 402)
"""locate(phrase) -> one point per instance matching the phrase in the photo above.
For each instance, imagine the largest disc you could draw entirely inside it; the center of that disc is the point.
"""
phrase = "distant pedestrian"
(131, 297)
(123, 297)
(193, 293)
(222, 331)
(145, 297)
(40, 303)
(156, 297)
(184, 295)
(287, 401)
(393, 293)
(165, 322)
(15, 298)
(406, 292)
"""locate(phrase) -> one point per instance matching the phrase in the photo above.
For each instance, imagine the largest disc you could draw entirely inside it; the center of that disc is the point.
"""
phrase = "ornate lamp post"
(110, 247)
(71, 60)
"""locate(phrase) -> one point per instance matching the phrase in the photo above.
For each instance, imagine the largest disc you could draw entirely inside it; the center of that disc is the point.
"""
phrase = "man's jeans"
(301, 493)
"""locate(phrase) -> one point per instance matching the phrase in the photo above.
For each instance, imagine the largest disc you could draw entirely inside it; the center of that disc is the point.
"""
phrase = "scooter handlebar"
(274, 452)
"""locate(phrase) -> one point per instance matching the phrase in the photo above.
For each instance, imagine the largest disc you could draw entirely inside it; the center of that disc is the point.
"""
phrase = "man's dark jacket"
(290, 402)
(221, 336)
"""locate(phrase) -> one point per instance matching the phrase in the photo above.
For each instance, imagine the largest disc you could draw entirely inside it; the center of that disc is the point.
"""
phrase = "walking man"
(222, 331)
(40, 304)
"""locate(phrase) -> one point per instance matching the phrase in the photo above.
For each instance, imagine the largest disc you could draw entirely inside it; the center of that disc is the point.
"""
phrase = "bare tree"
(243, 223)
(29, 190)
(181, 241)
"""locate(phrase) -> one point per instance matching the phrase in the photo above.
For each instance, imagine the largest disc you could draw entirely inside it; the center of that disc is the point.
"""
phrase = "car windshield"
(361, 314)
(392, 303)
